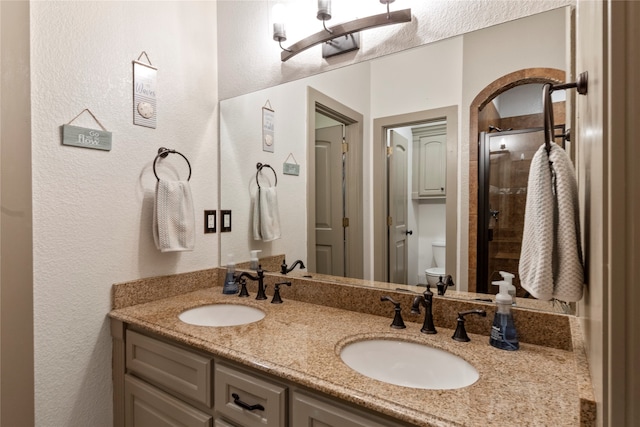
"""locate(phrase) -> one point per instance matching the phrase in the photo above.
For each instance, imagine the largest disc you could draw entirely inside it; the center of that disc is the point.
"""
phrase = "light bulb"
(324, 10)
(279, 15)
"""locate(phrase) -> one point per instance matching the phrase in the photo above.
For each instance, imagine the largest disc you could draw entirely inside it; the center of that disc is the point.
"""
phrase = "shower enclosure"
(504, 159)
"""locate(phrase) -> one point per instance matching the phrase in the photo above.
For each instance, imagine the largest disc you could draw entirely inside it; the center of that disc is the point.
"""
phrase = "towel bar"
(581, 85)
(164, 152)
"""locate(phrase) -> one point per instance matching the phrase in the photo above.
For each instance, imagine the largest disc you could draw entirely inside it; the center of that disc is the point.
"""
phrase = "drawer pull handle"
(240, 403)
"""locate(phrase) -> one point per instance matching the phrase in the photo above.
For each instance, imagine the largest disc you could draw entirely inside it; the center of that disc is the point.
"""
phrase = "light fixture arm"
(284, 49)
(345, 29)
(324, 24)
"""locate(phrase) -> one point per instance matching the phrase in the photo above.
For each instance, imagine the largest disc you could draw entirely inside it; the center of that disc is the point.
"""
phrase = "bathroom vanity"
(286, 369)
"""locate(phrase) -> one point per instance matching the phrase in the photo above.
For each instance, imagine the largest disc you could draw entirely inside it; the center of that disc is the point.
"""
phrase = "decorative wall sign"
(86, 137)
(291, 168)
(268, 115)
(144, 93)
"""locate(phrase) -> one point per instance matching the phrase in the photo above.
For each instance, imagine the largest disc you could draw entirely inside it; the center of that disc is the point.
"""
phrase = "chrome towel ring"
(164, 152)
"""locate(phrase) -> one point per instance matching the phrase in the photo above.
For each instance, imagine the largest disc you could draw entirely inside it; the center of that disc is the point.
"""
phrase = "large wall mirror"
(413, 103)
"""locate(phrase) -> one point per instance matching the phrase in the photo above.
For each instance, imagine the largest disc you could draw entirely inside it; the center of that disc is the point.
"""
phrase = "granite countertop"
(301, 342)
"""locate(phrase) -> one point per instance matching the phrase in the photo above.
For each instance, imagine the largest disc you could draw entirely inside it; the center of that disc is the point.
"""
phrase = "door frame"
(353, 121)
(380, 127)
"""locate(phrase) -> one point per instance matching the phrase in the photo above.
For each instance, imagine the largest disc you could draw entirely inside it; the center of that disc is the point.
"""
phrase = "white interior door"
(398, 162)
(330, 252)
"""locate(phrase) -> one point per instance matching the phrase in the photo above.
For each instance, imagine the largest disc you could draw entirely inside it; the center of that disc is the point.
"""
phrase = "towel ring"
(164, 152)
(259, 166)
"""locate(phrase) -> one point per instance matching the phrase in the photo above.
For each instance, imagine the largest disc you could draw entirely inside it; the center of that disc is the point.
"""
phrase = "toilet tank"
(439, 252)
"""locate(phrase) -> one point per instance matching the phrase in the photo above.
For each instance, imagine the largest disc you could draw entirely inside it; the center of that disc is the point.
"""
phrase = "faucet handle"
(461, 333)
(276, 292)
(283, 266)
(243, 288)
(397, 323)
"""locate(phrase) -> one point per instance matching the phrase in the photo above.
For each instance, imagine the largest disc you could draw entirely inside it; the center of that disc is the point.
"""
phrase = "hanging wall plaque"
(86, 137)
(268, 115)
(291, 168)
(144, 93)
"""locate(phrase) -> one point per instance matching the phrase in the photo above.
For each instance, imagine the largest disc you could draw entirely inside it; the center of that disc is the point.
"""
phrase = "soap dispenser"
(253, 260)
(503, 330)
(508, 277)
(230, 286)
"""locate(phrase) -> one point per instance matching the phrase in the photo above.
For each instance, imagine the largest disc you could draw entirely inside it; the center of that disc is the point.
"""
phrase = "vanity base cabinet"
(308, 410)
(159, 383)
(147, 406)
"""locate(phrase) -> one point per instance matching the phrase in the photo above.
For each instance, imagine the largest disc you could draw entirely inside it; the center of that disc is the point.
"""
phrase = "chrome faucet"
(259, 278)
(426, 300)
(285, 270)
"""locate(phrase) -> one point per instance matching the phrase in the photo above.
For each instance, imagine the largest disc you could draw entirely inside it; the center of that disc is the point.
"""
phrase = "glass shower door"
(503, 167)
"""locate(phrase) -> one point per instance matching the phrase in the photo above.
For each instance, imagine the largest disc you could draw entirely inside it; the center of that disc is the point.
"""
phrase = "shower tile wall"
(508, 194)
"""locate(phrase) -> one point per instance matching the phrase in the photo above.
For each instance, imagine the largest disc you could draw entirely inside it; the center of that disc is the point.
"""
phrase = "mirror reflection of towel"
(173, 217)
(266, 217)
(551, 259)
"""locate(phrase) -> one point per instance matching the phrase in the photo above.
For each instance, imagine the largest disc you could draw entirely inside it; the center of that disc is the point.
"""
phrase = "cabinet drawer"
(218, 422)
(310, 411)
(146, 406)
(252, 391)
(180, 370)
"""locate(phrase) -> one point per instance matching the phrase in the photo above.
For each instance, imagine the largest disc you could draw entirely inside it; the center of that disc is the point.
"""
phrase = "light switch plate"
(225, 221)
(209, 221)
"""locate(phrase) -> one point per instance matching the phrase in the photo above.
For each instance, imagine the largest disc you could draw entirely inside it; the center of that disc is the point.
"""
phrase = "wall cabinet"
(159, 383)
(429, 161)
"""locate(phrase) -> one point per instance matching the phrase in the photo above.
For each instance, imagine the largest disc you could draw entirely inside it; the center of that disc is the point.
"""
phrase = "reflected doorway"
(404, 225)
(334, 187)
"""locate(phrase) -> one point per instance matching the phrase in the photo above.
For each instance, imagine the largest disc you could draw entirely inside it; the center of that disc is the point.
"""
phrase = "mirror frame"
(380, 127)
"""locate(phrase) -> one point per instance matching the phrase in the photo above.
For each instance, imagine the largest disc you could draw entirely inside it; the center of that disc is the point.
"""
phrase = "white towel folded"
(173, 217)
(266, 217)
(551, 258)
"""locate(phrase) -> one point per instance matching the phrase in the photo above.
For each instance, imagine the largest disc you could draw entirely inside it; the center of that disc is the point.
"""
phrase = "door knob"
(408, 233)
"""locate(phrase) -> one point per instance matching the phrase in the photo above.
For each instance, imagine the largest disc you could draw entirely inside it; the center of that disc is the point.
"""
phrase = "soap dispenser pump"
(253, 260)
(508, 277)
(503, 330)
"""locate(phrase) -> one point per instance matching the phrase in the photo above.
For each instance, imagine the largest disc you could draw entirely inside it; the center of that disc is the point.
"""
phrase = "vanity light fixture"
(338, 39)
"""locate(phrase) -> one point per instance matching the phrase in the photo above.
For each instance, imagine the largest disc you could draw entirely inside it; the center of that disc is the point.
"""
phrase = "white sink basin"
(221, 315)
(409, 364)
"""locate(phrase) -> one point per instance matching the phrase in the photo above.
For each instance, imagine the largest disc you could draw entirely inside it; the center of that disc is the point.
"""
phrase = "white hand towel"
(173, 217)
(551, 258)
(266, 217)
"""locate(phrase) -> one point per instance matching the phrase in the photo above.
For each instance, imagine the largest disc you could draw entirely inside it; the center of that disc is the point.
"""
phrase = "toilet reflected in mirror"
(435, 272)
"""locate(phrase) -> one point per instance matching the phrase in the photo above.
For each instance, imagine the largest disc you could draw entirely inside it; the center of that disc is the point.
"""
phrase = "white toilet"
(439, 253)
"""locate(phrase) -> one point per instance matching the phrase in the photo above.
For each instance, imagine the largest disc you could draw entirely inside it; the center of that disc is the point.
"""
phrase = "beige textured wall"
(93, 209)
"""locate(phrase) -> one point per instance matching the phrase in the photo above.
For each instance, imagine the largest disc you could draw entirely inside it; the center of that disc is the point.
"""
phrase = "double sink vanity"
(185, 354)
